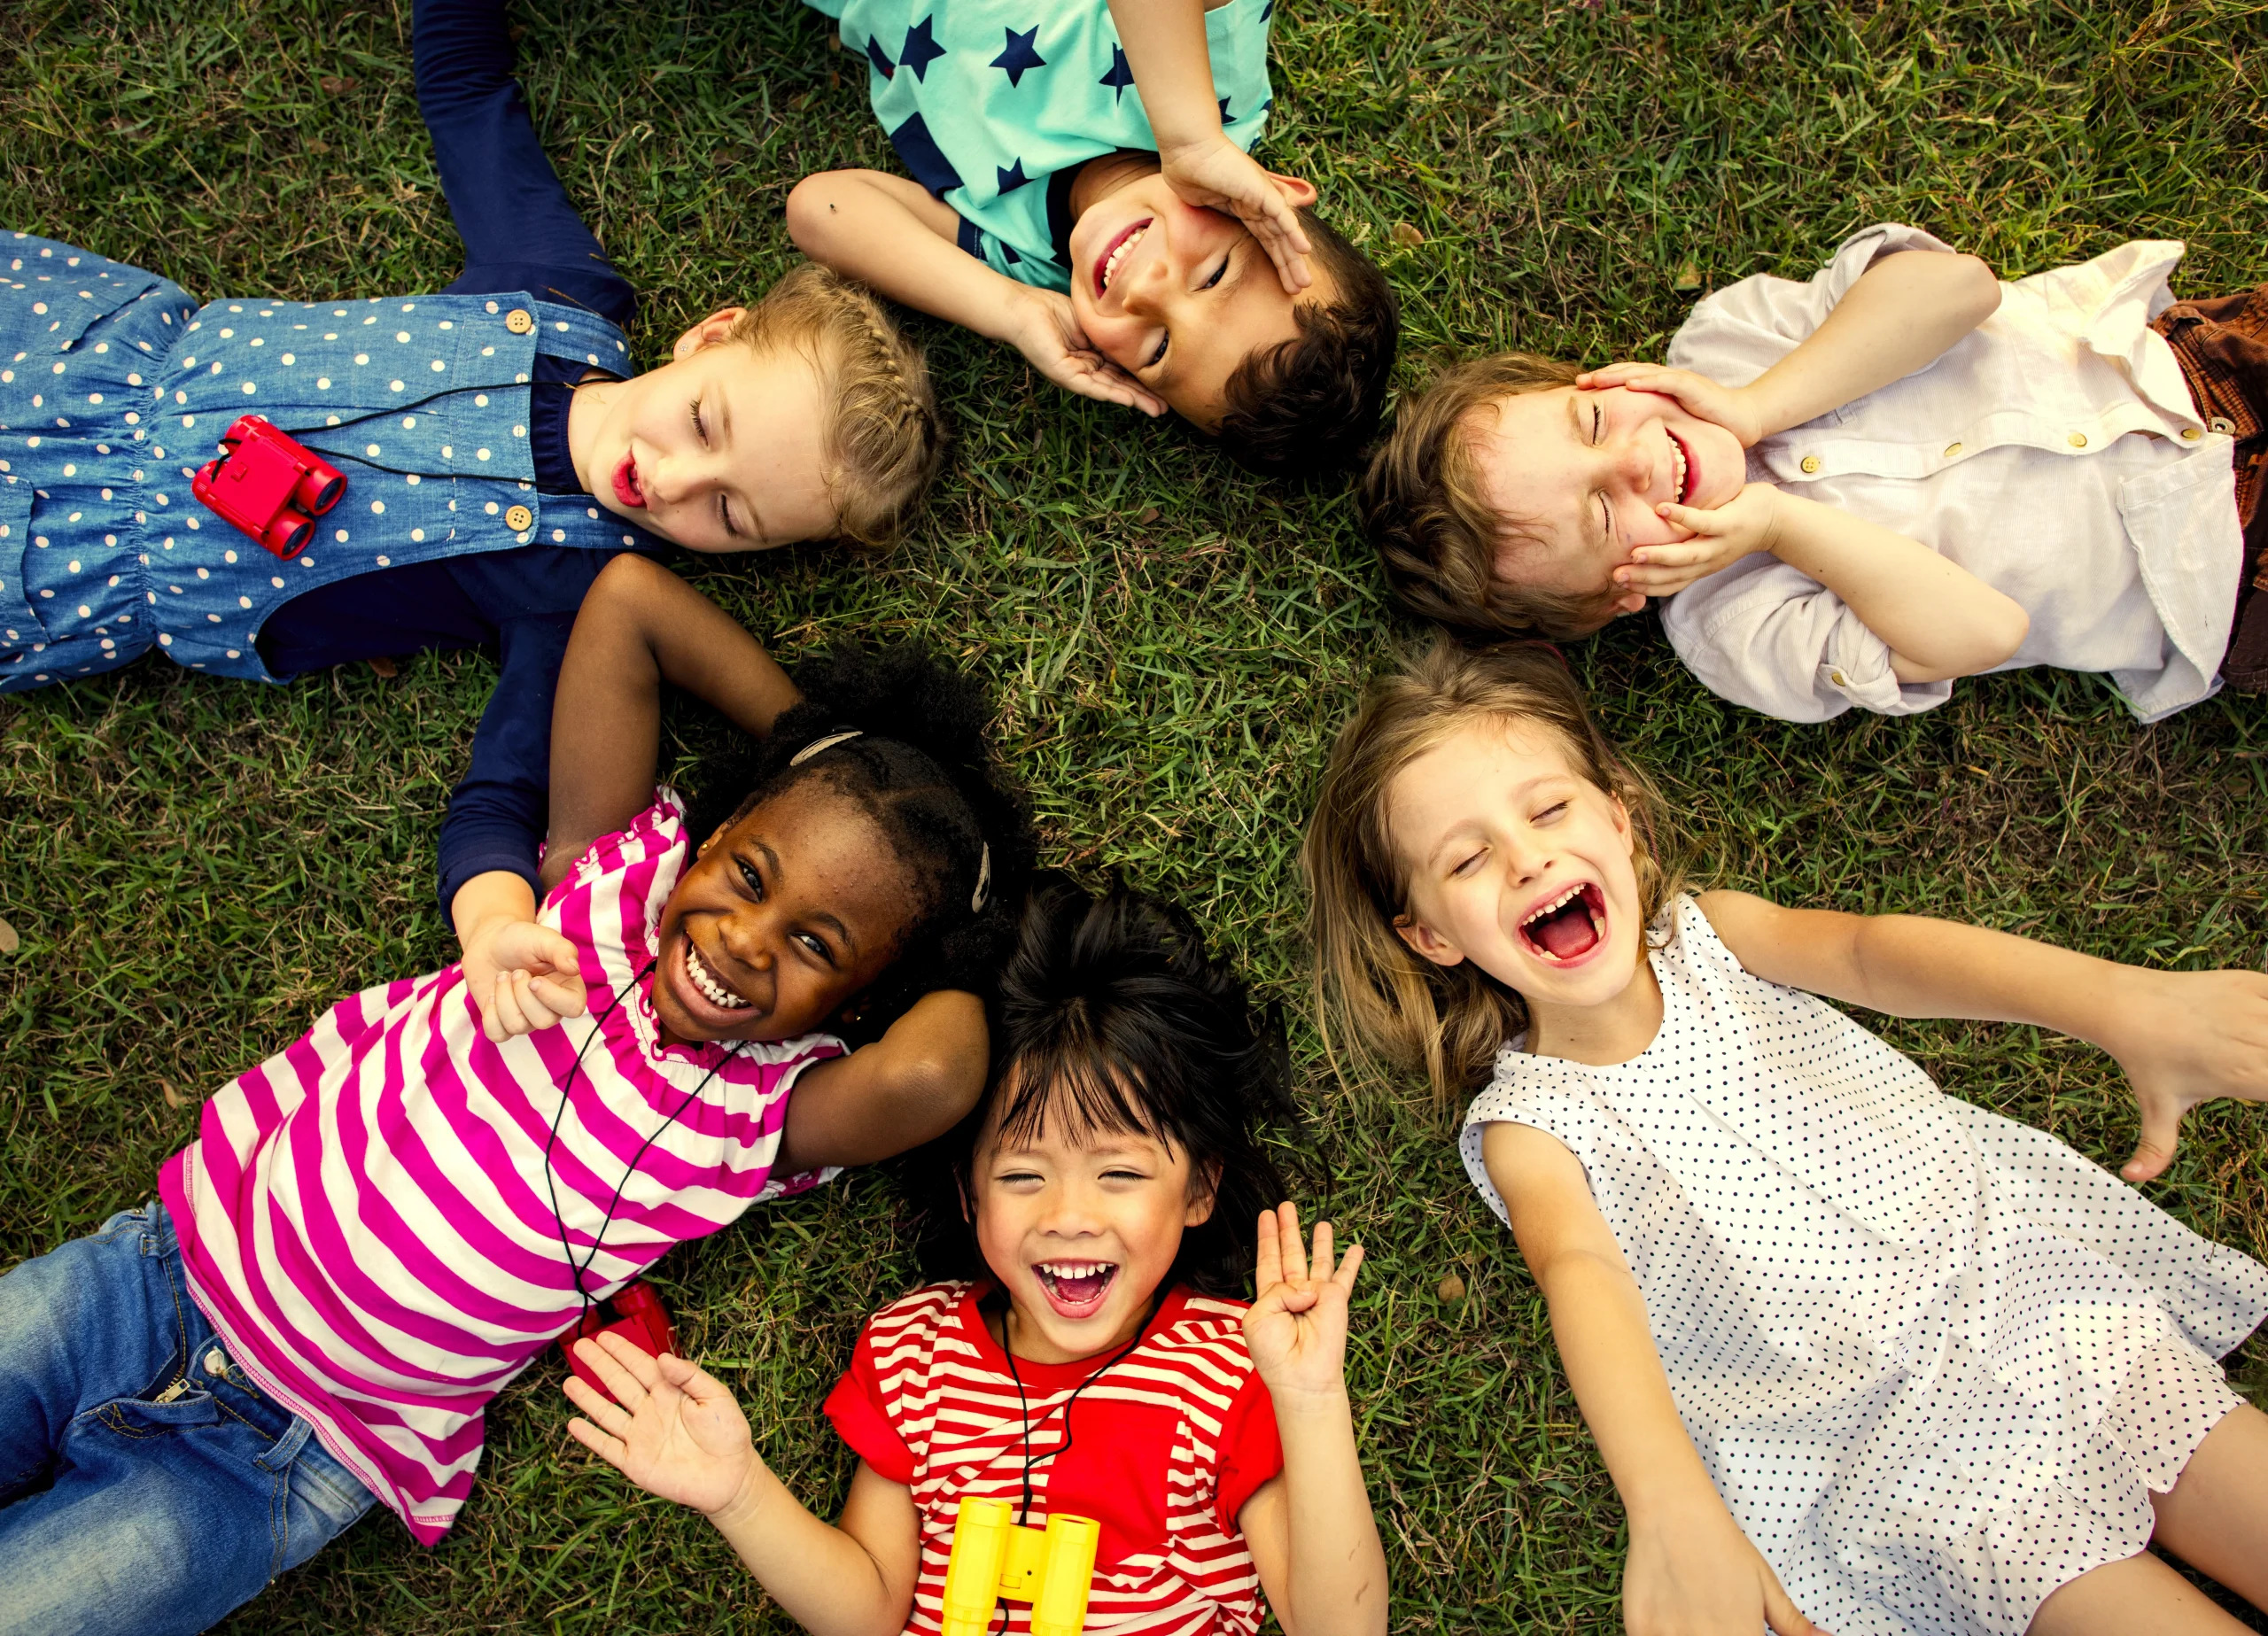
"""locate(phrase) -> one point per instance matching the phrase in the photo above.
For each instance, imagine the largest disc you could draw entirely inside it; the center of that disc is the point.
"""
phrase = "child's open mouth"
(1114, 254)
(1076, 1289)
(627, 488)
(1683, 485)
(1569, 927)
(709, 986)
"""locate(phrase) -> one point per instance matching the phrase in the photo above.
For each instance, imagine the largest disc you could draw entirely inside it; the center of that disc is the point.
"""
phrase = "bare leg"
(2140, 1596)
(2216, 1517)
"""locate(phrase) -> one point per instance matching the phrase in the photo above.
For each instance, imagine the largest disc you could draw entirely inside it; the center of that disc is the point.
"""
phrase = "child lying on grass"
(1081, 191)
(1857, 490)
(1088, 1356)
(382, 1225)
(498, 446)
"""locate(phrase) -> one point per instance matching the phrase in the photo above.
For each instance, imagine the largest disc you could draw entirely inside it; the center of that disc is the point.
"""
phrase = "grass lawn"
(195, 868)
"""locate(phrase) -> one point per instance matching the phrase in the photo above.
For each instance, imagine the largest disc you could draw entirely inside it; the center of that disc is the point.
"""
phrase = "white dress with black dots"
(1934, 1361)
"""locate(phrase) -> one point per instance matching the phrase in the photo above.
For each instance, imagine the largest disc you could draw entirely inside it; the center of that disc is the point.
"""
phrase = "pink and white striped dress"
(365, 1217)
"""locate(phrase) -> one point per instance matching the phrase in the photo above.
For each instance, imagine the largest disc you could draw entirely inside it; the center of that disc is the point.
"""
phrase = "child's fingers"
(1617, 373)
(1267, 1266)
(1715, 524)
(1659, 581)
(1294, 1248)
(610, 1417)
(612, 1450)
(533, 1011)
(1319, 1261)
(1349, 1264)
(605, 1355)
(565, 996)
(505, 1006)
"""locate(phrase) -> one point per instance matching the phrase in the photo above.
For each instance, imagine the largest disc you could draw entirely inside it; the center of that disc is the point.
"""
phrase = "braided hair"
(884, 440)
(1111, 1016)
(911, 751)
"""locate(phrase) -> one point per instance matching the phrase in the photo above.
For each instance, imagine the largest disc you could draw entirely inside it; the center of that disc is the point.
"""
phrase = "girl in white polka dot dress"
(1835, 1331)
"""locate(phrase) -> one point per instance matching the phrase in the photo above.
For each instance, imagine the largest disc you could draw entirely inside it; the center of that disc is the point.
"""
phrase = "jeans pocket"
(155, 1417)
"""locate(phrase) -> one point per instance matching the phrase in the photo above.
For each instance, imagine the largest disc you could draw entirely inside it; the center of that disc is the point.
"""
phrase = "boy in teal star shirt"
(1081, 189)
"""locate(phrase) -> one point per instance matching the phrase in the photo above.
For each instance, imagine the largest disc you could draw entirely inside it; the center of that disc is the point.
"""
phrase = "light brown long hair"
(1372, 988)
(884, 439)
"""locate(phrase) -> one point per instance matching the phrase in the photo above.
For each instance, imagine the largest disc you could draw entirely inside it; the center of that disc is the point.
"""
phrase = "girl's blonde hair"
(1369, 984)
(884, 441)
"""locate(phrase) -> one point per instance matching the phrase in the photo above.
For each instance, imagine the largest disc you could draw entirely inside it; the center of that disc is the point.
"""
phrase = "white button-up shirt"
(2054, 453)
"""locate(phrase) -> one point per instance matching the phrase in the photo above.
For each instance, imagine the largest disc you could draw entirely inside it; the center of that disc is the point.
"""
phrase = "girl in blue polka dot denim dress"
(1854, 1350)
(498, 451)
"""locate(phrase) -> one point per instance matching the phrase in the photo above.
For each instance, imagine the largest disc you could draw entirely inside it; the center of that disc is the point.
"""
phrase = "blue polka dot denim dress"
(115, 386)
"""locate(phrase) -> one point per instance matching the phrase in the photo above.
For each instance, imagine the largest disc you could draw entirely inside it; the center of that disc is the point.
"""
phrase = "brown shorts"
(2222, 346)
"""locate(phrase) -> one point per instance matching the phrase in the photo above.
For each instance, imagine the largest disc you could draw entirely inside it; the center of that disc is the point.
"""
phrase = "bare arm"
(1691, 1569)
(912, 1084)
(640, 626)
(675, 1432)
(2183, 1037)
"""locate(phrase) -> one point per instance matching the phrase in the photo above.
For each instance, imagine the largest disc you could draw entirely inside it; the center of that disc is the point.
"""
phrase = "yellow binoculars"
(993, 1557)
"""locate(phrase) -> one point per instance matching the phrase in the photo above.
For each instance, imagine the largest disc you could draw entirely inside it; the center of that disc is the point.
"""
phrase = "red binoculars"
(639, 1318)
(269, 485)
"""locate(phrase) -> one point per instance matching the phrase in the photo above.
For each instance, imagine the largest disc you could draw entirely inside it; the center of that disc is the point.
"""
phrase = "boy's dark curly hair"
(1111, 1015)
(1303, 408)
(923, 768)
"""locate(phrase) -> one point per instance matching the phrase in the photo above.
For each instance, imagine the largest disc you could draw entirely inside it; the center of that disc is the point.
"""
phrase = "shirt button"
(1952, 449)
(518, 517)
(1837, 678)
(2221, 422)
(216, 1362)
(2190, 434)
(518, 321)
(1809, 462)
(2078, 440)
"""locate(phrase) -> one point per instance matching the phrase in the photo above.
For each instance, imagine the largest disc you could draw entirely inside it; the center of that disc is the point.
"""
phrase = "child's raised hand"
(1218, 174)
(523, 975)
(2188, 1037)
(1296, 1330)
(1047, 333)
(1749, 521)
(1723, 406)
(676, 1433)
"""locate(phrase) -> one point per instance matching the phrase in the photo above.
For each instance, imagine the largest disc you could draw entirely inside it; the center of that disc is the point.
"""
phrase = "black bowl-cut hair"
(922, 767)
(1111, 1015)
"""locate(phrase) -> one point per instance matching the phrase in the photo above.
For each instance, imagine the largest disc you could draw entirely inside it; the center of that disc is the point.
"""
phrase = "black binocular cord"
(550, 1175)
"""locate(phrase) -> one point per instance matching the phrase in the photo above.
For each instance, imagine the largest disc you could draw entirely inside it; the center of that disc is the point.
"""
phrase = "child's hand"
(2188, 1037)
(678, 1433)
(523, 976)
(1699, 1576)
(1727, 407)
(1296, 1331)
(1045, 332)
(1218, 174)
(1750, 521)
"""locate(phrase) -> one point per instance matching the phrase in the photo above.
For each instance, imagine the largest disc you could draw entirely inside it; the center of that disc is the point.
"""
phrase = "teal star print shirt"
(995, 105)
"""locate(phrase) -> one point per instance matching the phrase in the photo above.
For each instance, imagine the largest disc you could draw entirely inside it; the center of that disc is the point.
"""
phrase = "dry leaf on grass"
(173, 1098)
(1406, 235)
(9, 941)
(1452, 1288)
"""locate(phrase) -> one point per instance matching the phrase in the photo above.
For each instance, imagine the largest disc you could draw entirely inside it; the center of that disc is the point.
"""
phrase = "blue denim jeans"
(146, 1486)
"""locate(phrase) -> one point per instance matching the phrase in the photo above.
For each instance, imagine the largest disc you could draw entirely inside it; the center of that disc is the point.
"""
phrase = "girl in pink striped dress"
(1088, 1355)
(380, 1226)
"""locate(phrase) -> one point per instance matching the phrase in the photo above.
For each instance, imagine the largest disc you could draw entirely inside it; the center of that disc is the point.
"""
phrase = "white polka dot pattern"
(1934, 1360)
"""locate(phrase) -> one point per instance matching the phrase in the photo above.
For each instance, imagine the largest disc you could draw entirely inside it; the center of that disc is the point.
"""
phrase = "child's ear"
(708, 332)
(1633, 603)
(1426, 943)
(715, 836)
(1204, 1190)
(1299, 194)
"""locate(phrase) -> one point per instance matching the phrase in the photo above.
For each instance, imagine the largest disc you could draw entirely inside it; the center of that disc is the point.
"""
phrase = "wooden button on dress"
(519, 519)
(519, 320)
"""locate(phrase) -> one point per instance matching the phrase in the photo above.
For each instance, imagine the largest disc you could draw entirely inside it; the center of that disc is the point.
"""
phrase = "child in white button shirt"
(1855, 490)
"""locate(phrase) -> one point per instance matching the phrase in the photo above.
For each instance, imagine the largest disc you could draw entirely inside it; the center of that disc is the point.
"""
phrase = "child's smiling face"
(790, 912)
(1518, 863)
(721, 449)
(1081, 1227)
(1177, 294)
(1581, 472)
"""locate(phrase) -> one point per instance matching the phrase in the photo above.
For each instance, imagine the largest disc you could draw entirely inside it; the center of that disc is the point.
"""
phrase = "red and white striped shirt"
(1164, 1446)
(365, 1216)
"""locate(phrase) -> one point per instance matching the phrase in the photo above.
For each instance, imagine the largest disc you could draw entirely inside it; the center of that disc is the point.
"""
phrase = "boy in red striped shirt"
(1089, 1359)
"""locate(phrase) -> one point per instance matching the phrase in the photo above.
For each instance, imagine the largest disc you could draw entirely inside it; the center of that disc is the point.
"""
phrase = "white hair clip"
(827, 743)
(983, 879)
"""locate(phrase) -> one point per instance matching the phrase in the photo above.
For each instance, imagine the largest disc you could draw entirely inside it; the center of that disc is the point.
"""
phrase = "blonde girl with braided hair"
(1854, 1350)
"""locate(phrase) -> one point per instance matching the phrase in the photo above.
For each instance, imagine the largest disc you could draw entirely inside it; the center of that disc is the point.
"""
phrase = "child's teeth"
(716, 992)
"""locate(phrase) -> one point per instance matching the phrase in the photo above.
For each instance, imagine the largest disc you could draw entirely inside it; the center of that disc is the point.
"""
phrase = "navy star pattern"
(1224, 111)
(1013, 178)
(921, 49)
(1021, 55)
(1121, 74)
(880, 57)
